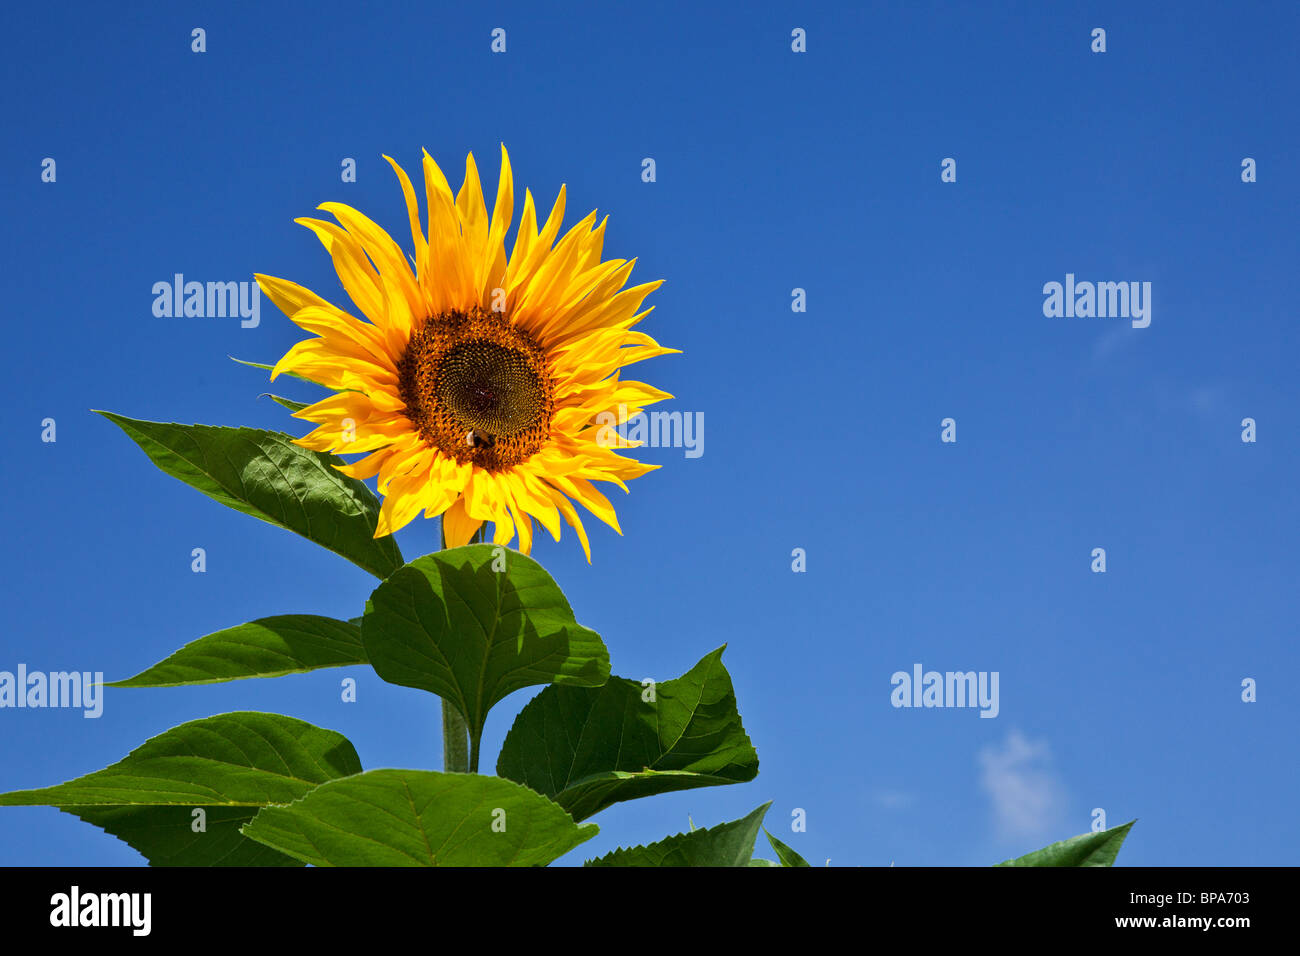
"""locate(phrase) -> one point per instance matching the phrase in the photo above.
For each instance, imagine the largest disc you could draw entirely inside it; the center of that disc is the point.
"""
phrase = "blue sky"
(775, 171)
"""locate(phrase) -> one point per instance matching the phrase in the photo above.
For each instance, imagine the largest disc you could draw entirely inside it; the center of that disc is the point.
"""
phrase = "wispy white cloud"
(1112, 340)
(893, 799)
(1208, 401)
(1025, 793)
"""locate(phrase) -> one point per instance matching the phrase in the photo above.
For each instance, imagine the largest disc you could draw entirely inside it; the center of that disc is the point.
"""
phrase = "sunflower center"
(477, 388)
(490, 387)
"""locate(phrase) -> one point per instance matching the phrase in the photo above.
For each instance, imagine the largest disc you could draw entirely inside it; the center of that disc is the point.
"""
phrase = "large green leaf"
(451, 624)
(267, 647)
(727, 844)
(1087, 849)
(229, 766)
(587, 748)
(264, 474)
(165, 836)
(239, 759)
(420, 818)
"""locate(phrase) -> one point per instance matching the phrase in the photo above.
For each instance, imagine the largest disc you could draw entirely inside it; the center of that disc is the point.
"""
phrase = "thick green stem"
(459, 750)
(455, 750)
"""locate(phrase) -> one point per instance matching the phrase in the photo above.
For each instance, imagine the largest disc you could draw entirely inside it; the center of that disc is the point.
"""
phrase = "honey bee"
(478, 439)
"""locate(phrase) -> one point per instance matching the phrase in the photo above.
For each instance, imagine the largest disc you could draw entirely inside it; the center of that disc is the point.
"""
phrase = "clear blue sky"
(775, 170)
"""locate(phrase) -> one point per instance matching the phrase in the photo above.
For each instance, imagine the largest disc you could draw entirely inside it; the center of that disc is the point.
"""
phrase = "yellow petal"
(366, 467)
(503, 529)
(386, 255)
(582, 491)
(473, 220)
(413, 213)
(402, 464)
(324, 321)
(457, 526)
(524, 525)
(336, 364)
(527, 234)
(533, 497)
(357, 275)
(401, 506)
(524, 262)
(571, 516)
(288, 296)
(493, 274)
(449, 282)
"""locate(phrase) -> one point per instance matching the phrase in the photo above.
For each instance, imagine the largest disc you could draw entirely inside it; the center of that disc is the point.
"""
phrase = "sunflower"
(481, 387)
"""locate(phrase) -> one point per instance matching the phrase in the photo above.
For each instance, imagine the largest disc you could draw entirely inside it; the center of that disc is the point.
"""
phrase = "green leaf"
(786, 855)
(1087, 849)
(288, 403)
(759, 861)
(450, 624)
(165, 835)
(264, 474)
(229, 766)
(587, 748)
(240, 759)
(267, 647)
(727, 844)
(420, 818)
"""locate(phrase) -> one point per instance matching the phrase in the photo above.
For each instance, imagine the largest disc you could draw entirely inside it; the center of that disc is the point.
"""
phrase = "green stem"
(459, 747)
(455, 754)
